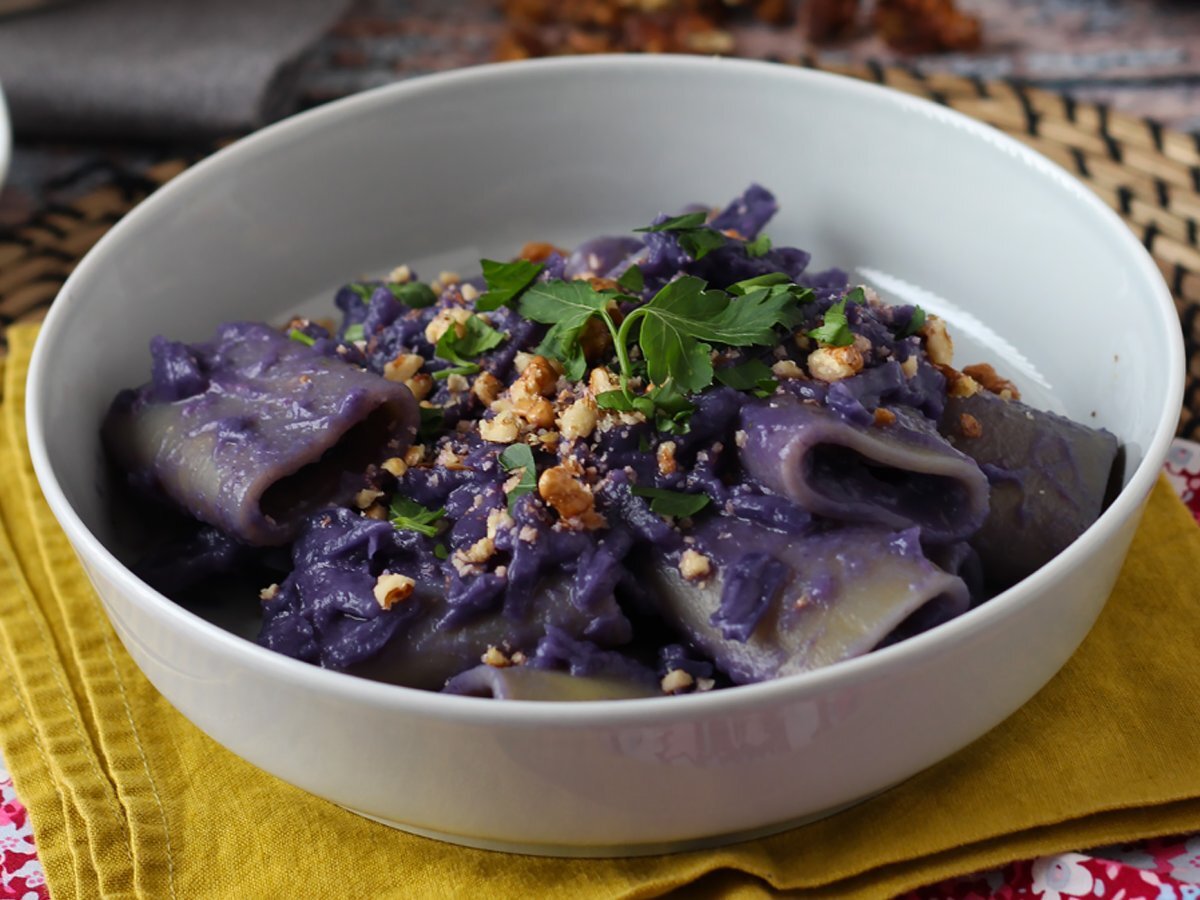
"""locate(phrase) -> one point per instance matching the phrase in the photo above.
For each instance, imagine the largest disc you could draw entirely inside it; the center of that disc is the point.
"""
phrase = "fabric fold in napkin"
(128, 798)
(156, 69)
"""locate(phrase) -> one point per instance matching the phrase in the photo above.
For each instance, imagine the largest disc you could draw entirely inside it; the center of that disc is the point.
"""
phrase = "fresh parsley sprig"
(675, 330)
(518, 457)
(672, 503)
(408, 515)
(834, 331)
(477, 338)
(696, 238)
(505, 281)
(413, 294)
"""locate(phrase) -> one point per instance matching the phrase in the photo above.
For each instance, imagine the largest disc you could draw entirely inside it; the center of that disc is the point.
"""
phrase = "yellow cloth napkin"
(127, 798)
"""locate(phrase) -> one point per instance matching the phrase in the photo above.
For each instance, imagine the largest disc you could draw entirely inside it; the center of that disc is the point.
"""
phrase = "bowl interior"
(1031, 271)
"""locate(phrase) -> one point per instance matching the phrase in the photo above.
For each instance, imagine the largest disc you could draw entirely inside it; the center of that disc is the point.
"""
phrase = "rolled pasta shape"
(528, 683)
(1049, 479)
(776, 604)
(898, 475)
(252, 431)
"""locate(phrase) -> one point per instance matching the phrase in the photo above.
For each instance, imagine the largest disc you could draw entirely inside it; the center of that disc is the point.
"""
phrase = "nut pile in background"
(565, 27)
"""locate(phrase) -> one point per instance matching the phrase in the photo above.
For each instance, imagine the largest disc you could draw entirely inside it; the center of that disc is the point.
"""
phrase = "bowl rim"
(5, 137)
(657, 710)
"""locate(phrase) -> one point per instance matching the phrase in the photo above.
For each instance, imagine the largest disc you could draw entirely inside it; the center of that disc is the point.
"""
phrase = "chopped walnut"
(395, 466)
(969, 426)
(270, 592)
(565, 493)
(579, 419)
(469, 292)
(376, 511)
(694, 566)
(539, 251)
(366, 497)
(480, 551)
(677, 681)
(909, 367)
(740, 437)
(415, 454)
(884, 417)
(497, 519)
(992, 382)
(938, 346)
(787, 368)
(400, 275)
(537, 411)
(666, 458)
(486, 387)
(961, 385)
(528, 534)
(457, 384)
(830, 364)
(495, 658)
(454, 316)
(392, 588)
(600, 381)
(500, 429)
(538, 379)
(420, 385)
(403, 367)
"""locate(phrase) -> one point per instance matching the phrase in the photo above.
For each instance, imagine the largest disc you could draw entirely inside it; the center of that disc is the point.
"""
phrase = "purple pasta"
(663, 462)
(252, 431)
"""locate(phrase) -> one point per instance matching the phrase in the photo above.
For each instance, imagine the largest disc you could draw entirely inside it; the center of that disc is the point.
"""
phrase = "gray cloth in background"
(156, 69)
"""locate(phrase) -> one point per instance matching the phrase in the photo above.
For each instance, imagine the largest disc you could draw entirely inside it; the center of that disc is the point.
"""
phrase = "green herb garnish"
(915, 324)
(413, 294)
(355, 332)
(519, 456)
(506, 282)
(566, 306)
(672, 503)
(478, 337)
(758, 281)
(441, 552)
(752, 375)
(696, 238)
(632, 280)
(362, 289)
(431, 422)
(760, 246)
(835, 330)
(297, 335)
(409, 515)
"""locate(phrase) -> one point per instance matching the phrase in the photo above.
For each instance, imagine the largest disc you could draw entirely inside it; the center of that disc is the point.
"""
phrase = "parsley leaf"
(506, 281)
(835, 331)
(672, 503)
(752, 375)
(413, 294)
(441, 552)
(739, 288)
(696, 238)
(478, 337)
(519, 456)
(760, 246)
(412, 516)
(566, 306)
(297, 335)
(362, 289)
(679, 223)
(915, 323)
(432, 418)
(632, 280)
(354, 333)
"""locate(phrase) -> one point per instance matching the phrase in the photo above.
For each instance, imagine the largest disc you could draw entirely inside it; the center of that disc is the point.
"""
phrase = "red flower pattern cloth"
(1156, 869)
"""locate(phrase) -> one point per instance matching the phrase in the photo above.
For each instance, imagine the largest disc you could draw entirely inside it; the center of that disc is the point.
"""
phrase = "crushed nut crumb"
(938, 346)
(366, 497)
(403, 367)
(392, 588)
(500, 429)
(400, 275)
(395, 466)
(830, 364)
(677, 681)
(969, 426)
(666, 458)
(787, 368)
(562, 491)
(693, 565)
(495, 658)
(884, 417)
(270, 592)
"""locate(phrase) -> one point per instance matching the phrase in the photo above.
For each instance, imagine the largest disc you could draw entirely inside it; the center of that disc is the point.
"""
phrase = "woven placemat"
(1149, 174)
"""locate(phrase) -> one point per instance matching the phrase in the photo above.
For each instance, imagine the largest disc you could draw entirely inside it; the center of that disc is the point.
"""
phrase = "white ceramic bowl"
(5, 138)
(452, 167)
